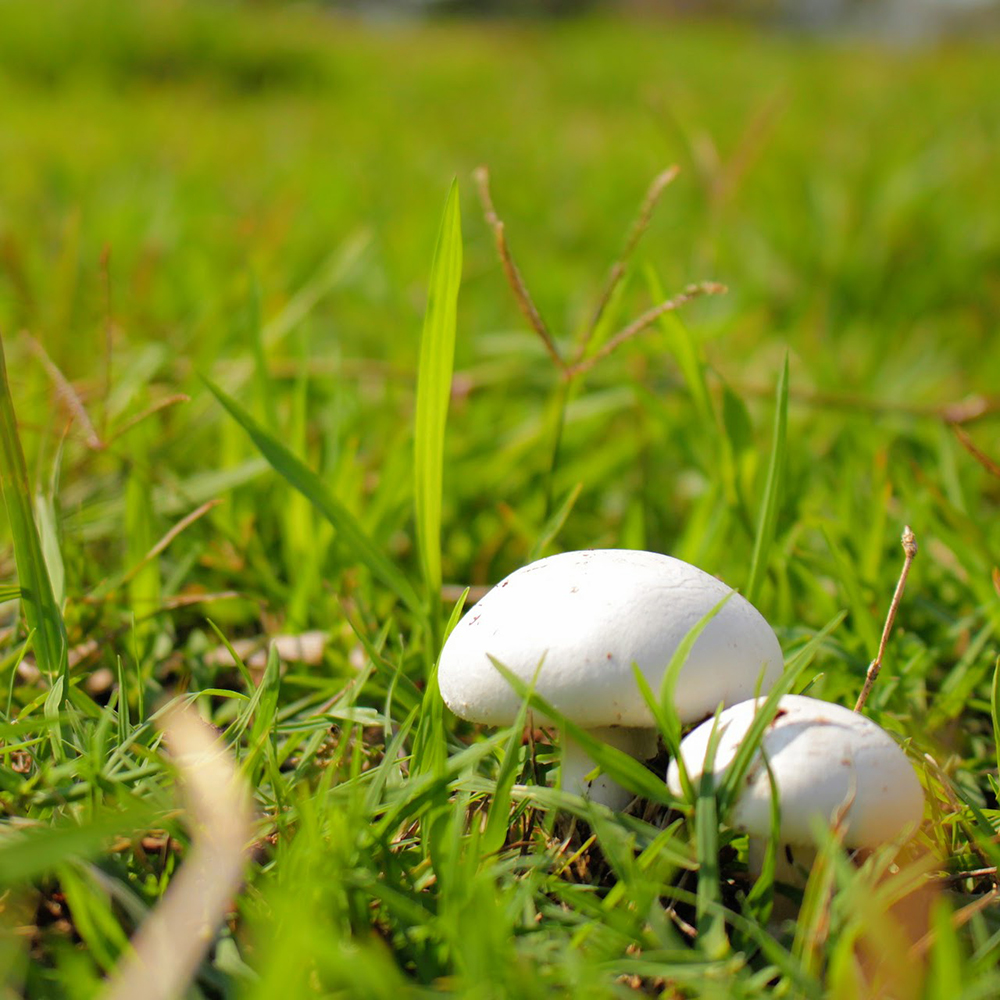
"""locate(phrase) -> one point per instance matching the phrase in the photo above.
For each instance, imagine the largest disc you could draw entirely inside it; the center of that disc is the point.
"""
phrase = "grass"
(253, 196)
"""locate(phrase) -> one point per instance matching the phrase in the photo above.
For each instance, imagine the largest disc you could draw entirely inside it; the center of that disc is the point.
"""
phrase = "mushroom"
(828, 762)
(580, 620)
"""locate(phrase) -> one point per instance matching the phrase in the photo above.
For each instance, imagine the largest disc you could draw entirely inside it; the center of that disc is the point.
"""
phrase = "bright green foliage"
(252, 193)
(437, 358)
(41, 611)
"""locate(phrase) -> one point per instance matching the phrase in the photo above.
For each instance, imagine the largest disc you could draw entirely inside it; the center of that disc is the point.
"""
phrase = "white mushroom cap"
(586, 616)
(824, 758)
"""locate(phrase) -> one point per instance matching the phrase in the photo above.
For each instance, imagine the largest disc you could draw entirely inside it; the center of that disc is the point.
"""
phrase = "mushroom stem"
(577, 764)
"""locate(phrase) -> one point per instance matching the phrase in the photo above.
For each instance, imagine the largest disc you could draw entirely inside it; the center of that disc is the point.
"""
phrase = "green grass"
(220, 222)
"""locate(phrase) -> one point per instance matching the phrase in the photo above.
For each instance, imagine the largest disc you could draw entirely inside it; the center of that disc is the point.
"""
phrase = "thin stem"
(617, 272)
(646, 320)
(66, 393)
(160, 404)
(514, 279)
(109, 335)
(909, 551)
(993, 468)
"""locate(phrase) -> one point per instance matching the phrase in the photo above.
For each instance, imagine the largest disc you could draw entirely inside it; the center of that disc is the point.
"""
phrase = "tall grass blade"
(300, 476)
(995, 710)
(710, 922)
(437, 360)
(555, 523)
(760, 899)
(40, 608)
(772, 492)
(498, 818)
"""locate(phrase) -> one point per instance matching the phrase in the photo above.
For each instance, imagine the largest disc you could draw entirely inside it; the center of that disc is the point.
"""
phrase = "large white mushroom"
(586, 617)
(828, 762)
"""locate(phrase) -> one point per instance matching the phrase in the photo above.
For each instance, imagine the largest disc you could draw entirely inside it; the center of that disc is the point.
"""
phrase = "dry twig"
(160, 404)
(581, 363)
(514, 279)
(617, 271)
(643, 322)
(984, 460)
(910, 551)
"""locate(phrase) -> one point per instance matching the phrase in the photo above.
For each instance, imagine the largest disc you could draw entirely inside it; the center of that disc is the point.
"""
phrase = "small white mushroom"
(828, 763)
(586, 617)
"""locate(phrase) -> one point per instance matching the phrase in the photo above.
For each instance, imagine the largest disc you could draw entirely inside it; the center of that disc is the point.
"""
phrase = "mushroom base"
(577, 764)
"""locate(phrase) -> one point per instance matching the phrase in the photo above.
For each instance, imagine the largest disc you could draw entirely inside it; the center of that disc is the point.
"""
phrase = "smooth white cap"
(823, 757)
(586, 616)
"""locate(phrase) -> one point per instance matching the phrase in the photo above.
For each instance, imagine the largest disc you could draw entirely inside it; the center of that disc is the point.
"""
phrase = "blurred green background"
(223, 155)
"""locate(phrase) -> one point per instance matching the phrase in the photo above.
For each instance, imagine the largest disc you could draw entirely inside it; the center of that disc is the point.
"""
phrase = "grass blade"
(995, 709)
(32, 852)
(730, 784)
(40, 608)
(555, 523)
(772, 492)
(676, 664)
(760, 899)
(302, 478)
(498, 818)
(711, 923)
(437, 361)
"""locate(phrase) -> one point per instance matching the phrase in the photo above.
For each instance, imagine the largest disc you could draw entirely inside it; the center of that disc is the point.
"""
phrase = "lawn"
(218, 227)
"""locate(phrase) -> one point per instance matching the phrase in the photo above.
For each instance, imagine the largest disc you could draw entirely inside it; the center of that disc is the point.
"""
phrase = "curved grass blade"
(995, 709)
(437, 361)
(555, 523)
(673, 671)
(772, 492)
(40, 608)
(302, 478)
(760, 899)
(711, 923)
(498, 817)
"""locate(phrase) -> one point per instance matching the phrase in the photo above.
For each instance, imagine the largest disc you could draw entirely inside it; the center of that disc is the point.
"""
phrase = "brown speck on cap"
(778, 715)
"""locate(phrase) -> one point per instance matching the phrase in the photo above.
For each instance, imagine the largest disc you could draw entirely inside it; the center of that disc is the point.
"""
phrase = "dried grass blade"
(169, 946)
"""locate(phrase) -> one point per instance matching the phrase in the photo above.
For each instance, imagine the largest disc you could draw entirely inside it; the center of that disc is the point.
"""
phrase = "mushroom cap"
(824, 757)
(585, 617)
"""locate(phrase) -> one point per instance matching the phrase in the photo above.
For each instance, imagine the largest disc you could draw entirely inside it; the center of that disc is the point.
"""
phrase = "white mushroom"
(829, 763)
(585, 617)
